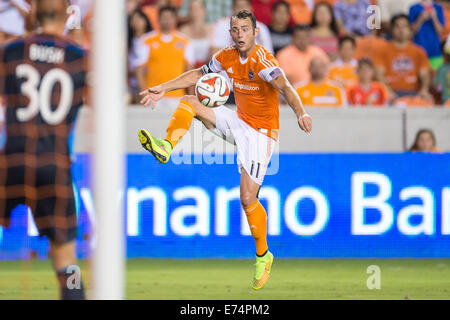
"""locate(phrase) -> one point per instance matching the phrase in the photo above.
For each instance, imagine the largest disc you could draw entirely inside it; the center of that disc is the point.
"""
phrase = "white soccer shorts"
(254, 149)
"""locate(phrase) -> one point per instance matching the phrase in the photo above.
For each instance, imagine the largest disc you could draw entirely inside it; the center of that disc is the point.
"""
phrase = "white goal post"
(108, 167)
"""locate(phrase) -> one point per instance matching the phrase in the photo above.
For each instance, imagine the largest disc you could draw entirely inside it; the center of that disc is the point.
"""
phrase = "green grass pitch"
(231, 279)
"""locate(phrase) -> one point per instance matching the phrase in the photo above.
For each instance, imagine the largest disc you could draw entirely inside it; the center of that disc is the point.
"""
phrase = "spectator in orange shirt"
(425, 141)
(301, 11)
(167, 54)
(403, 66)
(324, 29)
(295, 58)
(321, 92)
(367, 92)
(343, 70)
(369, 46)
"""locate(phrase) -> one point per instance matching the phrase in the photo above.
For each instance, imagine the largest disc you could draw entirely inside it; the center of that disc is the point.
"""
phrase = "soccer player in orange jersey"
(253, 127)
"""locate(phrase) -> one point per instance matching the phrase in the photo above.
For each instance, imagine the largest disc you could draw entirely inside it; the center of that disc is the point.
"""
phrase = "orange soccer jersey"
(325, 94)
(344, 73)
(256, 99)
(377, 93)
(166, 59)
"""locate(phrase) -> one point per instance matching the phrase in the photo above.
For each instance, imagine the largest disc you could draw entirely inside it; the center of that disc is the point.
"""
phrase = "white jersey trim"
(214, 65)
(262, 58)
(271, 73)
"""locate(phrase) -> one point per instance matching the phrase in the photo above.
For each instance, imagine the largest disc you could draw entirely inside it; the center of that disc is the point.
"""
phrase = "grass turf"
(231, 279)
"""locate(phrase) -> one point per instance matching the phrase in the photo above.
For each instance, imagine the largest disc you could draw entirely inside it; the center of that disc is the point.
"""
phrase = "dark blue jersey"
(43, 80)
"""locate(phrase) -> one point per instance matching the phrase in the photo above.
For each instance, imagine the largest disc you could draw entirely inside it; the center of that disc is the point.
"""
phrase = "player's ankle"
(170, 144)
(71, 287)
(263, 254)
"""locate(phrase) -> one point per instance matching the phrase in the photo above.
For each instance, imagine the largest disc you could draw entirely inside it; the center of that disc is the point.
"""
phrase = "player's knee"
(247, 199)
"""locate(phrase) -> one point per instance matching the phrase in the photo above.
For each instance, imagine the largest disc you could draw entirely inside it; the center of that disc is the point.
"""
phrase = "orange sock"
(257, 220)
(180, 122)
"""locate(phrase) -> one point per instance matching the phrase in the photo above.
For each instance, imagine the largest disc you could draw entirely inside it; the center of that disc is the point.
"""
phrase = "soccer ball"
(212, 90)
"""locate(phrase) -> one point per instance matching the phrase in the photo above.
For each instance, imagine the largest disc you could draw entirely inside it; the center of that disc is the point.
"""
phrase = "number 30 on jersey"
(40, 97)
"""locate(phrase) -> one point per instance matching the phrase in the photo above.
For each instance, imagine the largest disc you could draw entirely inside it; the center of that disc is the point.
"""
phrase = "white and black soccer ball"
(212, 90)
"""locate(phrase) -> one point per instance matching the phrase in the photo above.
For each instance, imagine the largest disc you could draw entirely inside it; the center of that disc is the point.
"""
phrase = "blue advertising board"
(319, 205)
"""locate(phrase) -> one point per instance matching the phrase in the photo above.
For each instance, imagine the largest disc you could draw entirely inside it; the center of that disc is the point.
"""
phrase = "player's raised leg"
(180, 122)
(257, 221)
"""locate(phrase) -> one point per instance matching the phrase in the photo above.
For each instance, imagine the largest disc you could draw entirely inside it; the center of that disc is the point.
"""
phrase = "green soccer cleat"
(160, 149)
(262, 271)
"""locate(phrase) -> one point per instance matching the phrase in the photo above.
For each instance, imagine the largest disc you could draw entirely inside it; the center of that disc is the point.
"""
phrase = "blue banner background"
(329, 174)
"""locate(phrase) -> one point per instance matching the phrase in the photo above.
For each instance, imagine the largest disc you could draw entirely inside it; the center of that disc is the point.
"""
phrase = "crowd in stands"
(334, 52)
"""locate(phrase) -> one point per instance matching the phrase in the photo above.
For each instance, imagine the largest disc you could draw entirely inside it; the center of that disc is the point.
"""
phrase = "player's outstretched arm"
(186, 80)
(290, 95)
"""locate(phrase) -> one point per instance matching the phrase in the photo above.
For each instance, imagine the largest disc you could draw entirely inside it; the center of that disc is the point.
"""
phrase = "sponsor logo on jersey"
(402, 64)
(230, 70)
(324, 100)
(245, 86)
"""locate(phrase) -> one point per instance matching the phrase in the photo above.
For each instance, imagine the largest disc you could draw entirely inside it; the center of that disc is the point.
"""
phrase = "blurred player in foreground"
(253, 128)
(42, 78)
